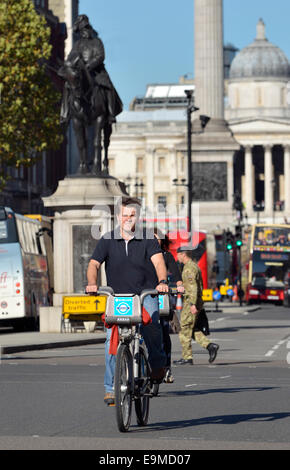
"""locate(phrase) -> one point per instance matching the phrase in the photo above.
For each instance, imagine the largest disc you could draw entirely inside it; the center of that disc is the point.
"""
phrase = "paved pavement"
(27, 341)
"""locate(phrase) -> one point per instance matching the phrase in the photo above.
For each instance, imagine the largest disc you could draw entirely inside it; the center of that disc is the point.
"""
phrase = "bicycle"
(132, 381)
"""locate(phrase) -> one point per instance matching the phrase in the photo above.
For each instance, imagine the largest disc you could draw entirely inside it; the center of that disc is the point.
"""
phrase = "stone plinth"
(84, 210)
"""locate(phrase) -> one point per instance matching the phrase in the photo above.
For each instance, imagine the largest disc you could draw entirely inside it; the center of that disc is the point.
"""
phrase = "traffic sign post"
(216, 296)
(239, 244)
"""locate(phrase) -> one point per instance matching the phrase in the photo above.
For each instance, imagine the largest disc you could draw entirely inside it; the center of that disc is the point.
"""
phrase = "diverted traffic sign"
(84, 305)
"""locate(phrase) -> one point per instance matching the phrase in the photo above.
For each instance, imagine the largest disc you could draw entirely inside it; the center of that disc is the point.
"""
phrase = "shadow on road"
(233, 329)
(219, 419)
(186, 393)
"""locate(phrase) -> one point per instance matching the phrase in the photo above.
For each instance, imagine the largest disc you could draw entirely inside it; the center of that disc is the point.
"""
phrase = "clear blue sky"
(151, 41)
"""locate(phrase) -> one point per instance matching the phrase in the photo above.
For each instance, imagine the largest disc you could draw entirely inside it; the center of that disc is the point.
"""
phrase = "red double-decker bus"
(176, 230)
(269, 262)
(198, 243)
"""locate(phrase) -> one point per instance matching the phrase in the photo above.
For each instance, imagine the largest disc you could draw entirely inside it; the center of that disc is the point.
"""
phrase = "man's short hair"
(129, 201)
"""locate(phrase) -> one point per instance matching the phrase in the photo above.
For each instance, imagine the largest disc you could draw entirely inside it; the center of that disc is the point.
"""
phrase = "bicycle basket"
(123, 309)
(164, 305)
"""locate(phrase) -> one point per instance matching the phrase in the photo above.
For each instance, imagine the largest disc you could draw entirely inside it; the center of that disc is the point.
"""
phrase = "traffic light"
(238, 205)
(238, 236)
(229, 240)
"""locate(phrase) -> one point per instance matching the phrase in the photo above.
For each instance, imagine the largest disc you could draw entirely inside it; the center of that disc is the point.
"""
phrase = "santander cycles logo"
(123, 306)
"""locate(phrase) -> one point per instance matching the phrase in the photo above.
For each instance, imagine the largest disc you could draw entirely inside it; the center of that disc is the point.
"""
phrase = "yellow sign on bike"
(84, 304)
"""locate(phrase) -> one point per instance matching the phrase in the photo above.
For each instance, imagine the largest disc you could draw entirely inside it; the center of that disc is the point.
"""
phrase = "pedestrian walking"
(174, 277)
(192, 306)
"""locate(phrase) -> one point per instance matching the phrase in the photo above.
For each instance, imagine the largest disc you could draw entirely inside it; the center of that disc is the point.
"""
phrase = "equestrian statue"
(89, 97)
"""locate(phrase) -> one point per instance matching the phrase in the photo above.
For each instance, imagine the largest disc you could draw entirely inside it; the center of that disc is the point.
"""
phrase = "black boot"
(212, 349)
(182, 362)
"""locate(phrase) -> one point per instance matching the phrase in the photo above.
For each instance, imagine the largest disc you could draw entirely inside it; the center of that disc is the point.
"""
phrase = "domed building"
(258, 114)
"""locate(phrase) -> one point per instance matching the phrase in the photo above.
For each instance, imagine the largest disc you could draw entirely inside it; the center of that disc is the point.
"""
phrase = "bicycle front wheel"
(123, 387)
(142, 399)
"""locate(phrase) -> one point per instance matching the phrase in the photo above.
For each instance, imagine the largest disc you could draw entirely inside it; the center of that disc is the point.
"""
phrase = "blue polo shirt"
(128, 265)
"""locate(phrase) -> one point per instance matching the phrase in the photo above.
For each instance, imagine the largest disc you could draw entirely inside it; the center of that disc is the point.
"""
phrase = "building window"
(162, 200)
(140, 165)
(182, 164)
(161, 164)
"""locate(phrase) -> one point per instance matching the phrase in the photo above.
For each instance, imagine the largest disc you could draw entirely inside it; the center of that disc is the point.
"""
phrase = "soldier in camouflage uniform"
(192, 305)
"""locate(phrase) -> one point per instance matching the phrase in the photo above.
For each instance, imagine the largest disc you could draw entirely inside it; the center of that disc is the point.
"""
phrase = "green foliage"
(29, 103)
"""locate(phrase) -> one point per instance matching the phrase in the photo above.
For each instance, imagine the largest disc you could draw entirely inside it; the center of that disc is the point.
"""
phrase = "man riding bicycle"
(129, 257)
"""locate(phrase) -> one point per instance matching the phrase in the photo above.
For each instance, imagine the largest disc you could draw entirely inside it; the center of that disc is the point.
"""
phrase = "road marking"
(191, 385)
(225, 376)
(275, 347)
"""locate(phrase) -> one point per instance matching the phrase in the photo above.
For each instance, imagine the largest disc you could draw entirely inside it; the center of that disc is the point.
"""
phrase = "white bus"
(25, 268)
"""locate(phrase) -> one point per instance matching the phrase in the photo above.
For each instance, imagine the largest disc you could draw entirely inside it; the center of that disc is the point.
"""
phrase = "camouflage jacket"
(192, 281)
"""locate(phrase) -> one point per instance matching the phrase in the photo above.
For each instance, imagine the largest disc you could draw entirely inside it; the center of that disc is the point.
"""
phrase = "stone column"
(208, 58)
(269, 175)
(287, 179)
(249, 180)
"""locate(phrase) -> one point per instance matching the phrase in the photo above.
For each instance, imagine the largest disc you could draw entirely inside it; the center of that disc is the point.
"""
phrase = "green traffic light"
(239, 242)
(229, 246)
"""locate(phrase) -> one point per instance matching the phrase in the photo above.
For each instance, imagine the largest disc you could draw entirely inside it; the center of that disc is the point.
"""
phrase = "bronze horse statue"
(89, 97)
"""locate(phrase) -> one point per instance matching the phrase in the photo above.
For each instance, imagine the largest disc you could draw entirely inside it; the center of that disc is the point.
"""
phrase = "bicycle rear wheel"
(142, 399)
(123, 387)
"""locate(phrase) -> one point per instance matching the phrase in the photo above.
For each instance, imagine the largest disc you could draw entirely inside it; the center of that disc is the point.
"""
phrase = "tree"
(29, 103)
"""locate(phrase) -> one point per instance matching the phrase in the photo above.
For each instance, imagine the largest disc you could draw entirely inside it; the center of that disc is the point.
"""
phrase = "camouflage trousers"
(187, 333)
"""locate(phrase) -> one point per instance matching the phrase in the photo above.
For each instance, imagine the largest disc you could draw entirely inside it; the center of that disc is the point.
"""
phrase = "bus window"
(31, 236)
(34, 230)
(3, 229)
(8, 232)
(42, 242)
(21, 233)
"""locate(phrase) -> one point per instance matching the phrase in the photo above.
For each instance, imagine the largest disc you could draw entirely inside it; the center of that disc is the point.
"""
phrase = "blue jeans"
(152, 335)
(166, 340)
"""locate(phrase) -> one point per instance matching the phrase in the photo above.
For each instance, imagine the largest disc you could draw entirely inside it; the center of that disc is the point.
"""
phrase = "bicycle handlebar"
(107, 290)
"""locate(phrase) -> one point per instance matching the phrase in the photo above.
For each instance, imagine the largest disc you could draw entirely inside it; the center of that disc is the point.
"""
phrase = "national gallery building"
(148, 147)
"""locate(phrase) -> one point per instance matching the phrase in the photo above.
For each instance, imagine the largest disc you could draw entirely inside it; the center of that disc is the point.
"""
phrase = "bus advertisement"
(269, 262)
(24, 269)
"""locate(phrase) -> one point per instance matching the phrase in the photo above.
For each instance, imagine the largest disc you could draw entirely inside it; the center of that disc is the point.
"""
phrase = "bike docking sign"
(123, 309)
(123, 306)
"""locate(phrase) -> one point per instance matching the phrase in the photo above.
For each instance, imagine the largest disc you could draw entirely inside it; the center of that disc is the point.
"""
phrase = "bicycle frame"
(132, 372)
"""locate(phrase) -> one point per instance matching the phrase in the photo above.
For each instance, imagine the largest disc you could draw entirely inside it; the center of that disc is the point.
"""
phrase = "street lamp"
(176, 183)
(138, 184)
(191, 108)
